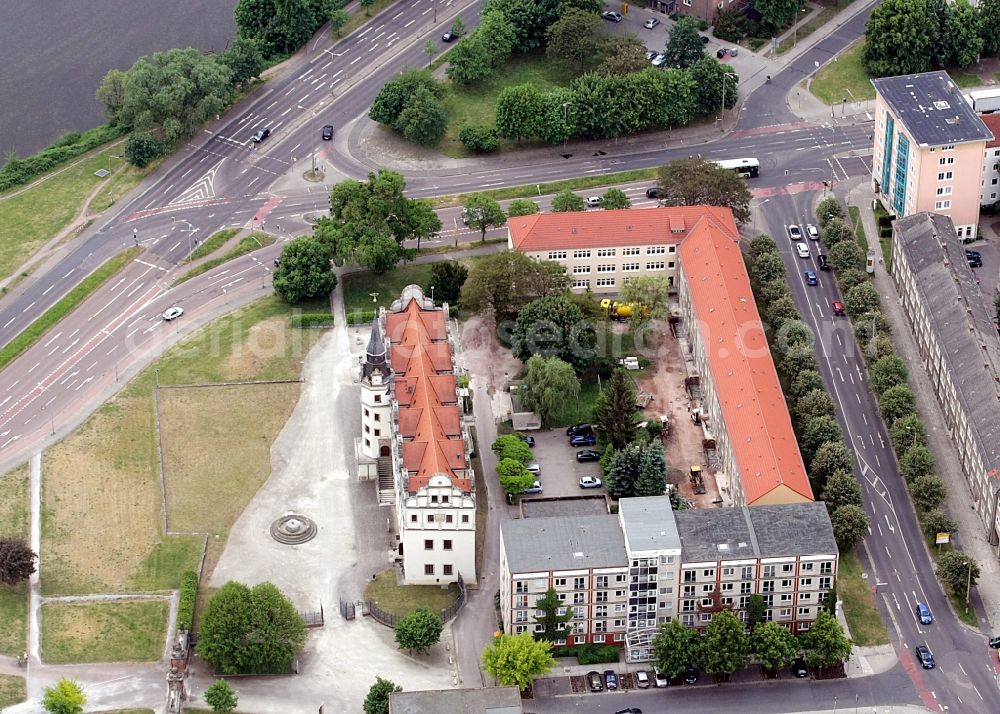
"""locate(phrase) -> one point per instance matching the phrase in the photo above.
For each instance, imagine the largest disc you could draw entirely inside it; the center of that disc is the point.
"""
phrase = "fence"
(347, 609)
(314, 618)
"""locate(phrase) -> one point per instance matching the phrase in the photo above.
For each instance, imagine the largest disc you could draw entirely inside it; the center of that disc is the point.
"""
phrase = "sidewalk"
(971, 536)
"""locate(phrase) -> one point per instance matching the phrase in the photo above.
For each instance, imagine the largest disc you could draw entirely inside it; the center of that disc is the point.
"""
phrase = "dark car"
(799, 668)
(529, 440)
(925, 657)
(720, 53)
(690, 675)
(578, 429)
(588, 455)
(261, 135)
(822, 262)
(583, 440)
(449, 37)
(811, 278)
(924, 614)
(995, 643)
(652, 193)
(973, 254)
(612, 16)
(975, 262)
(327, 132)
(704, 39)
(595, 682)
(629, 710)
(610, 680)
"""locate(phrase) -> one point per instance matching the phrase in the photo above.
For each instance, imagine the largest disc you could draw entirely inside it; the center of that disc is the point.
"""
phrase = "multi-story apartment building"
(957, 339)
(928, 149)
(743, 406)
(603, 250)
(412, 424)
(991, 162)
(702, 9)
(625, 575)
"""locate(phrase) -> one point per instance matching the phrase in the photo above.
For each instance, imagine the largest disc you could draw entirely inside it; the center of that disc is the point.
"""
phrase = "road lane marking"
(34, 367)
(355, 61)
(285, 112)
(54, 338)
(27, 308)
(7, 324)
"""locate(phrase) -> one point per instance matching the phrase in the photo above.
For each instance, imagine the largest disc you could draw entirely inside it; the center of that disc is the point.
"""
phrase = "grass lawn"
(862, 615)
(13, 690)
(359, 286)
(105, 473)
(859, 228)
(214, 242)
(845, 73)
(248, 245)
(815, 22)
(963, 79)
(403, 599)
(14, 598)
(582, 409)
(103, 631)
(40, 212)
(476, 105)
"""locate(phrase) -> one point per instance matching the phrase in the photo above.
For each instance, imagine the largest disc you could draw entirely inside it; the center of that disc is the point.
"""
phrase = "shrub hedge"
(189, 594)
(19, 171)
(312, 319)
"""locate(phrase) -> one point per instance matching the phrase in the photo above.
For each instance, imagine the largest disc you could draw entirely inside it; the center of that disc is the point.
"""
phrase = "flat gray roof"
(491, 700)
(718, 533)
(966, 333)
(932, 108)
(591, 505)
(563, 543)
(648, 523)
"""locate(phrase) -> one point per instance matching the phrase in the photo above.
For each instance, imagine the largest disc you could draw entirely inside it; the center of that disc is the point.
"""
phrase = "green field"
(862, 615)
(403, 599)
(844, 77)
(359, 286)
(130, 631)
(14, 598)
(13, 690)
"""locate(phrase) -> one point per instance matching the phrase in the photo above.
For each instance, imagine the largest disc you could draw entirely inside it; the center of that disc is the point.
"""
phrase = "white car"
(659, 60)
(172, 313)
(590, 482)
(660, 677)
(593, 201)
(802, 249)
(651, 23)
(812, 231)
(794, 232)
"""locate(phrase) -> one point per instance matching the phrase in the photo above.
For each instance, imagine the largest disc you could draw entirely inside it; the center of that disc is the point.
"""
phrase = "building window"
(948, 147)
(630, 251)
(656, 250)
(747, 573)
(560, 582)
(413, 518)
(787, 568)
(447, 569)
(428, 569)
(448, 519)
(581, 269)
(428, 544)
(601, 596)
(942, 205)
(605, 268)
(367, 430)
(368, 442)
(581, 283)
(805, 582)
(378, 432)
(803, 626)
(768, 571)
(579, 254)
(630, 267)
(444, 499)
(447, 545)
(945, 175)
(601, 581)
(670, 264)
(579, 583)
(945, 190)
(557, 255)
(767, 586)
(946, 161)
(606, 252)
(804, 611)
(826, 568)
(465, 519)
(366, 412)
(657, 265)
(605, 282)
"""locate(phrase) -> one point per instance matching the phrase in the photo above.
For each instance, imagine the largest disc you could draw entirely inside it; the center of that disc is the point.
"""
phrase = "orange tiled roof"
(992, 122)
(429, 419)
(610, 229)
(743, 374)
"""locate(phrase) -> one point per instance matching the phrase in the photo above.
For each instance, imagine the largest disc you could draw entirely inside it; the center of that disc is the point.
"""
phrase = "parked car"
(588, 455)
(799, 668)
(975, 262)
(838, 308)
(924, 614)
(995, 643)
(802, 250)
(812, 231)
(529, 440)
(327, 132)
(535, 488)
(534, 468)
(659, 61)
(593, 201)
(660, 678)
(651, 23)
(704, 39)
(595, 682)
(720, 53)
(973, 254)
(261, 135)
(811, 278)
(690, 675)
(612, 16)
(925, 657)
(794, 232)
(822, 261)
(172, 313)
(652, 192)
(583, 440)
(610, 680)
(578, 429)
(642, 680)
(652, 54)
(629, 710)
(449, 37)
(590, 482)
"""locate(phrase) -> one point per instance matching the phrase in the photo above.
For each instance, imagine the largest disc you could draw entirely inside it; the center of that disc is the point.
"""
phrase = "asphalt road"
(221, 179)
(54, 56)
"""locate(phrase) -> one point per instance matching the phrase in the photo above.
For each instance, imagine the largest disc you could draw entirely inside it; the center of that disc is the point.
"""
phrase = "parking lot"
(560, 471)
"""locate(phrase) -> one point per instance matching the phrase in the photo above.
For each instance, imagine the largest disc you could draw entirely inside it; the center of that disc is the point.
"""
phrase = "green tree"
(377, 700)
(896, 402)
(395, 94)
(937, 521)
(458, 27)
(424, 120)
(964, 34)
(482, 212)
(684, 45)
(958, 570)
(725, 647)
(615, 413)
(142, 148)
(514, 477)
(64, 697)
(776, 14)
(850, 526)
(615, 198)
(430, 48)
(773, 645)
(555, 626)
(623, 470)
(825, 643)
(17, 561)
(768, 292)
(221, 697)
(480, 139)
(553, 326)
(419, 630)
(447, 279)
(245, 60)
(709, 75)
(304, 271)
(519, 112)
(566, 201)
(502, 283)
(522, 207)
(517, 659)
(928, 492)
(804, 382)
(550, 384)
(378, 252)
(558, 120)
(768, 267)
(730, 25)
(887, 372)
(649, 291)
(762, 244)
(250, 630)
(861, 299)
(794, 332)
(111, 94)
(574, 38)
(797, 358)
(851, 278)
(989, 25)
(781, 311)
(830, 457)
(846, 255)
(841, 489)
(675, 647)
(835, 231)
(652, 478)
(894, 24)
(692, 182)
(906, 432)
(622, 55)
(819, 430)
(338, 18)
(915, 462)
(814, 404)
(469, 61)
(828, 209)
(756, 611)
(510, 446)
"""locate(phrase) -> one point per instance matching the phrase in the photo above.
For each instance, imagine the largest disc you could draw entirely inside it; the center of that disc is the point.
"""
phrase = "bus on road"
(747, 168)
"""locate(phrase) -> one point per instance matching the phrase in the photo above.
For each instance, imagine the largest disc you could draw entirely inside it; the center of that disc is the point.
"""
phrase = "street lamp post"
(111, 185)
(968, 585)
(795, 32)
(722, 109)
(565, 107)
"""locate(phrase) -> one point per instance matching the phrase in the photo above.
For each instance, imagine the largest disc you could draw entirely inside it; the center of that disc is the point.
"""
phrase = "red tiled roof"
(742, 371)
(429, 419)
(610, 229)
(992, 122)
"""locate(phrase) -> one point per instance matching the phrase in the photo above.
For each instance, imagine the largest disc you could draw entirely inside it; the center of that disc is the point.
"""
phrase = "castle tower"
(376, 398)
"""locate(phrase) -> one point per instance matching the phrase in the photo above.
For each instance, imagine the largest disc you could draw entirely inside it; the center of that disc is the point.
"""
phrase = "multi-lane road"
(223, 179)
